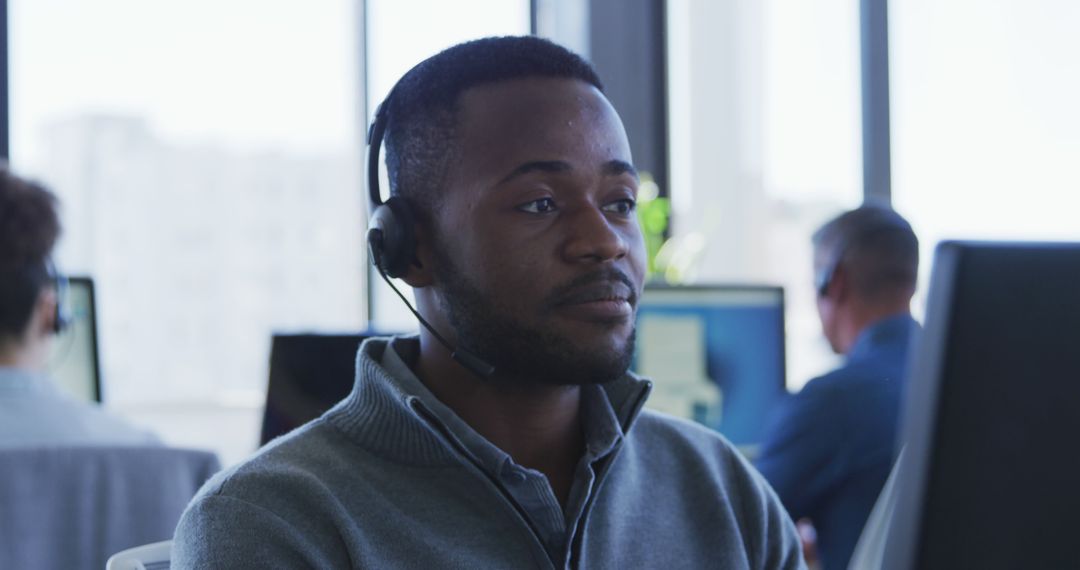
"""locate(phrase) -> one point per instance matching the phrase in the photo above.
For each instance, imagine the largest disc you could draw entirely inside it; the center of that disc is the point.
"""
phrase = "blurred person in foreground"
(534, 450)
(33, 412)
(829, 448)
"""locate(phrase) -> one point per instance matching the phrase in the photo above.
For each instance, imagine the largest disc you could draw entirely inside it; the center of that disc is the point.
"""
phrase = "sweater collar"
(893, 331)
(391, 413)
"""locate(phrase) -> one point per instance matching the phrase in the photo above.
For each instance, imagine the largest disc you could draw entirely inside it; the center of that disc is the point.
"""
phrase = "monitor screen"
(990, 418)
(309, 373)
(73, 363)
(715, 355)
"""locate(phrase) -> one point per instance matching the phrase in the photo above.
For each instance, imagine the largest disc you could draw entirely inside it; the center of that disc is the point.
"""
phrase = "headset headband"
(375, 137)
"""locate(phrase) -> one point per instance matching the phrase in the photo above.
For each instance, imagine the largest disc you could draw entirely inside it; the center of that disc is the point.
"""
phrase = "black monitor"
(309, 373)
(992, 414)
(73, 363)
(715, 354)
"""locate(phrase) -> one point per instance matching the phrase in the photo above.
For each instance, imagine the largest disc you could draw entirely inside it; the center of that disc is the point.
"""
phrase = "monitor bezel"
(918, 423)
(88, 283)
(921, 407)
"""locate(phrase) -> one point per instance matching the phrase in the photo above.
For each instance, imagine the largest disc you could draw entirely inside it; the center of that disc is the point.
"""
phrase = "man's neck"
(24, 356)
(539, 426)
(867, 316)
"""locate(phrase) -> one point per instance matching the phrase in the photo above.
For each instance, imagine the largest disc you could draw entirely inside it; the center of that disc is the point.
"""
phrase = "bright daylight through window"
(986, 128)
(764, 145)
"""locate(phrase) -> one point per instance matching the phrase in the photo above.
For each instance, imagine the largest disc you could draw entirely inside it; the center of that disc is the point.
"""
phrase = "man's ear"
(43, 317)
(419, 273)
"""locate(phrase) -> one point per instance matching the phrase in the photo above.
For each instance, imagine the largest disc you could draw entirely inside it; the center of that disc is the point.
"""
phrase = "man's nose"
(593, 238)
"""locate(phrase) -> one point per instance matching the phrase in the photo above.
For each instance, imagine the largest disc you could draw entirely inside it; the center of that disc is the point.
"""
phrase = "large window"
(206, 156)
(764, 146)
(985, 118)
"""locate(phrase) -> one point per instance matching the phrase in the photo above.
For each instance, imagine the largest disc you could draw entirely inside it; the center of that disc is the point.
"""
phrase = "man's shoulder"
(654, 424)
(664, 440)
(700, 467)
(284, 468)
(105, 427)
(839, 378)
(848, 390)
(276, 508)
(54, 419)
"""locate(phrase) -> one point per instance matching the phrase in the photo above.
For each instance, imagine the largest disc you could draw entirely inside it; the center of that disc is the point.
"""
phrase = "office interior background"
(208, 154)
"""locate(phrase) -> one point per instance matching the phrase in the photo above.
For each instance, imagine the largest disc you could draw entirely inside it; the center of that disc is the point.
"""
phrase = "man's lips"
(604, 300)
(606, 291)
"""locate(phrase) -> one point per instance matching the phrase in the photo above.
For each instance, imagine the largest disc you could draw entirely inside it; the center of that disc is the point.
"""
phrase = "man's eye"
(541, 206)
(624, 206)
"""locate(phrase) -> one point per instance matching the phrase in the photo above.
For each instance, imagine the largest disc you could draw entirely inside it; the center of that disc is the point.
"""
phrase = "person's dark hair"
(29, 228)
(877, 248)
(422, 107)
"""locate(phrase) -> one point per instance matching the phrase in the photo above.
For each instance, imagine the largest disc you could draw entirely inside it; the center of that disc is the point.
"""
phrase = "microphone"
(466, 359)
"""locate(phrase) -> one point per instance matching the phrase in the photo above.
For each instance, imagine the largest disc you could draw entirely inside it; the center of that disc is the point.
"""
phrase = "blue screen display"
(715, 355)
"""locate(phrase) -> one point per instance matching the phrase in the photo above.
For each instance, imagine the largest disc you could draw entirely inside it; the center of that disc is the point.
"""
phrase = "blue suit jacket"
(829, 448)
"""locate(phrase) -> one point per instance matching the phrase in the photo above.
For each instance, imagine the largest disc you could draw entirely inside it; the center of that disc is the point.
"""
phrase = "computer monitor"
(992, 413)
(715, 355)
(73, 363)
(309, 373)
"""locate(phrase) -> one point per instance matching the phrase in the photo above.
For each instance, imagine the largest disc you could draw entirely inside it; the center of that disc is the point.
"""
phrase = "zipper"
(422, 410)
(601, 476)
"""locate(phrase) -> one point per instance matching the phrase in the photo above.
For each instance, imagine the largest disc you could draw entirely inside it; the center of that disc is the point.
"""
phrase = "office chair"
(146, 557)
(71, 507)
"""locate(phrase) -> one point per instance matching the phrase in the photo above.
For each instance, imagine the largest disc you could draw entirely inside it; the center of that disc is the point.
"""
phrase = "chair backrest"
(71, 507)
(146, 557)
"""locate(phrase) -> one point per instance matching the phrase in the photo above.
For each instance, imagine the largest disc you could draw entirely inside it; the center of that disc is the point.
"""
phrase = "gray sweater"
(391, 478)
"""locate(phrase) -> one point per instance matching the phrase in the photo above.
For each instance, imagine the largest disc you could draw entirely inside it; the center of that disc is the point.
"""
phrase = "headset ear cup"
(395, 250)
(62, 318)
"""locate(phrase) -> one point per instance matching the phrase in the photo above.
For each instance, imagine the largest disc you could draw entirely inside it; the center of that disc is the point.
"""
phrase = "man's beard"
(531, 354)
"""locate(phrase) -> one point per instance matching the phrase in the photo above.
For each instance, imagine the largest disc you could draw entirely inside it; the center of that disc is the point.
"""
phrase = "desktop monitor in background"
(715, 355)
(992, 414)
(309, 373)
(73, 363)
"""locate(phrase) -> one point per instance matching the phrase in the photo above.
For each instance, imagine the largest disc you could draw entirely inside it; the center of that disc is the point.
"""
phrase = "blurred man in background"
(830, 447)
(33, 412)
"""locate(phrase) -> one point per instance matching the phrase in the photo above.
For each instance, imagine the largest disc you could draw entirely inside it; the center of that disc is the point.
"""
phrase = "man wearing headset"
(830, 447)
(33, 412)
(509, 433)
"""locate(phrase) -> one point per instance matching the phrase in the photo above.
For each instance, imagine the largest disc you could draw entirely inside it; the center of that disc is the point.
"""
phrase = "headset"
(824, 277)
(62, 318)
(391, 238)
(391, 233)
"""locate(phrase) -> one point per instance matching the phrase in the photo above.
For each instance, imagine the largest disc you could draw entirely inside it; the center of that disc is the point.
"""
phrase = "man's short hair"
(422, 107)
(877, 248)
(29, 228)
